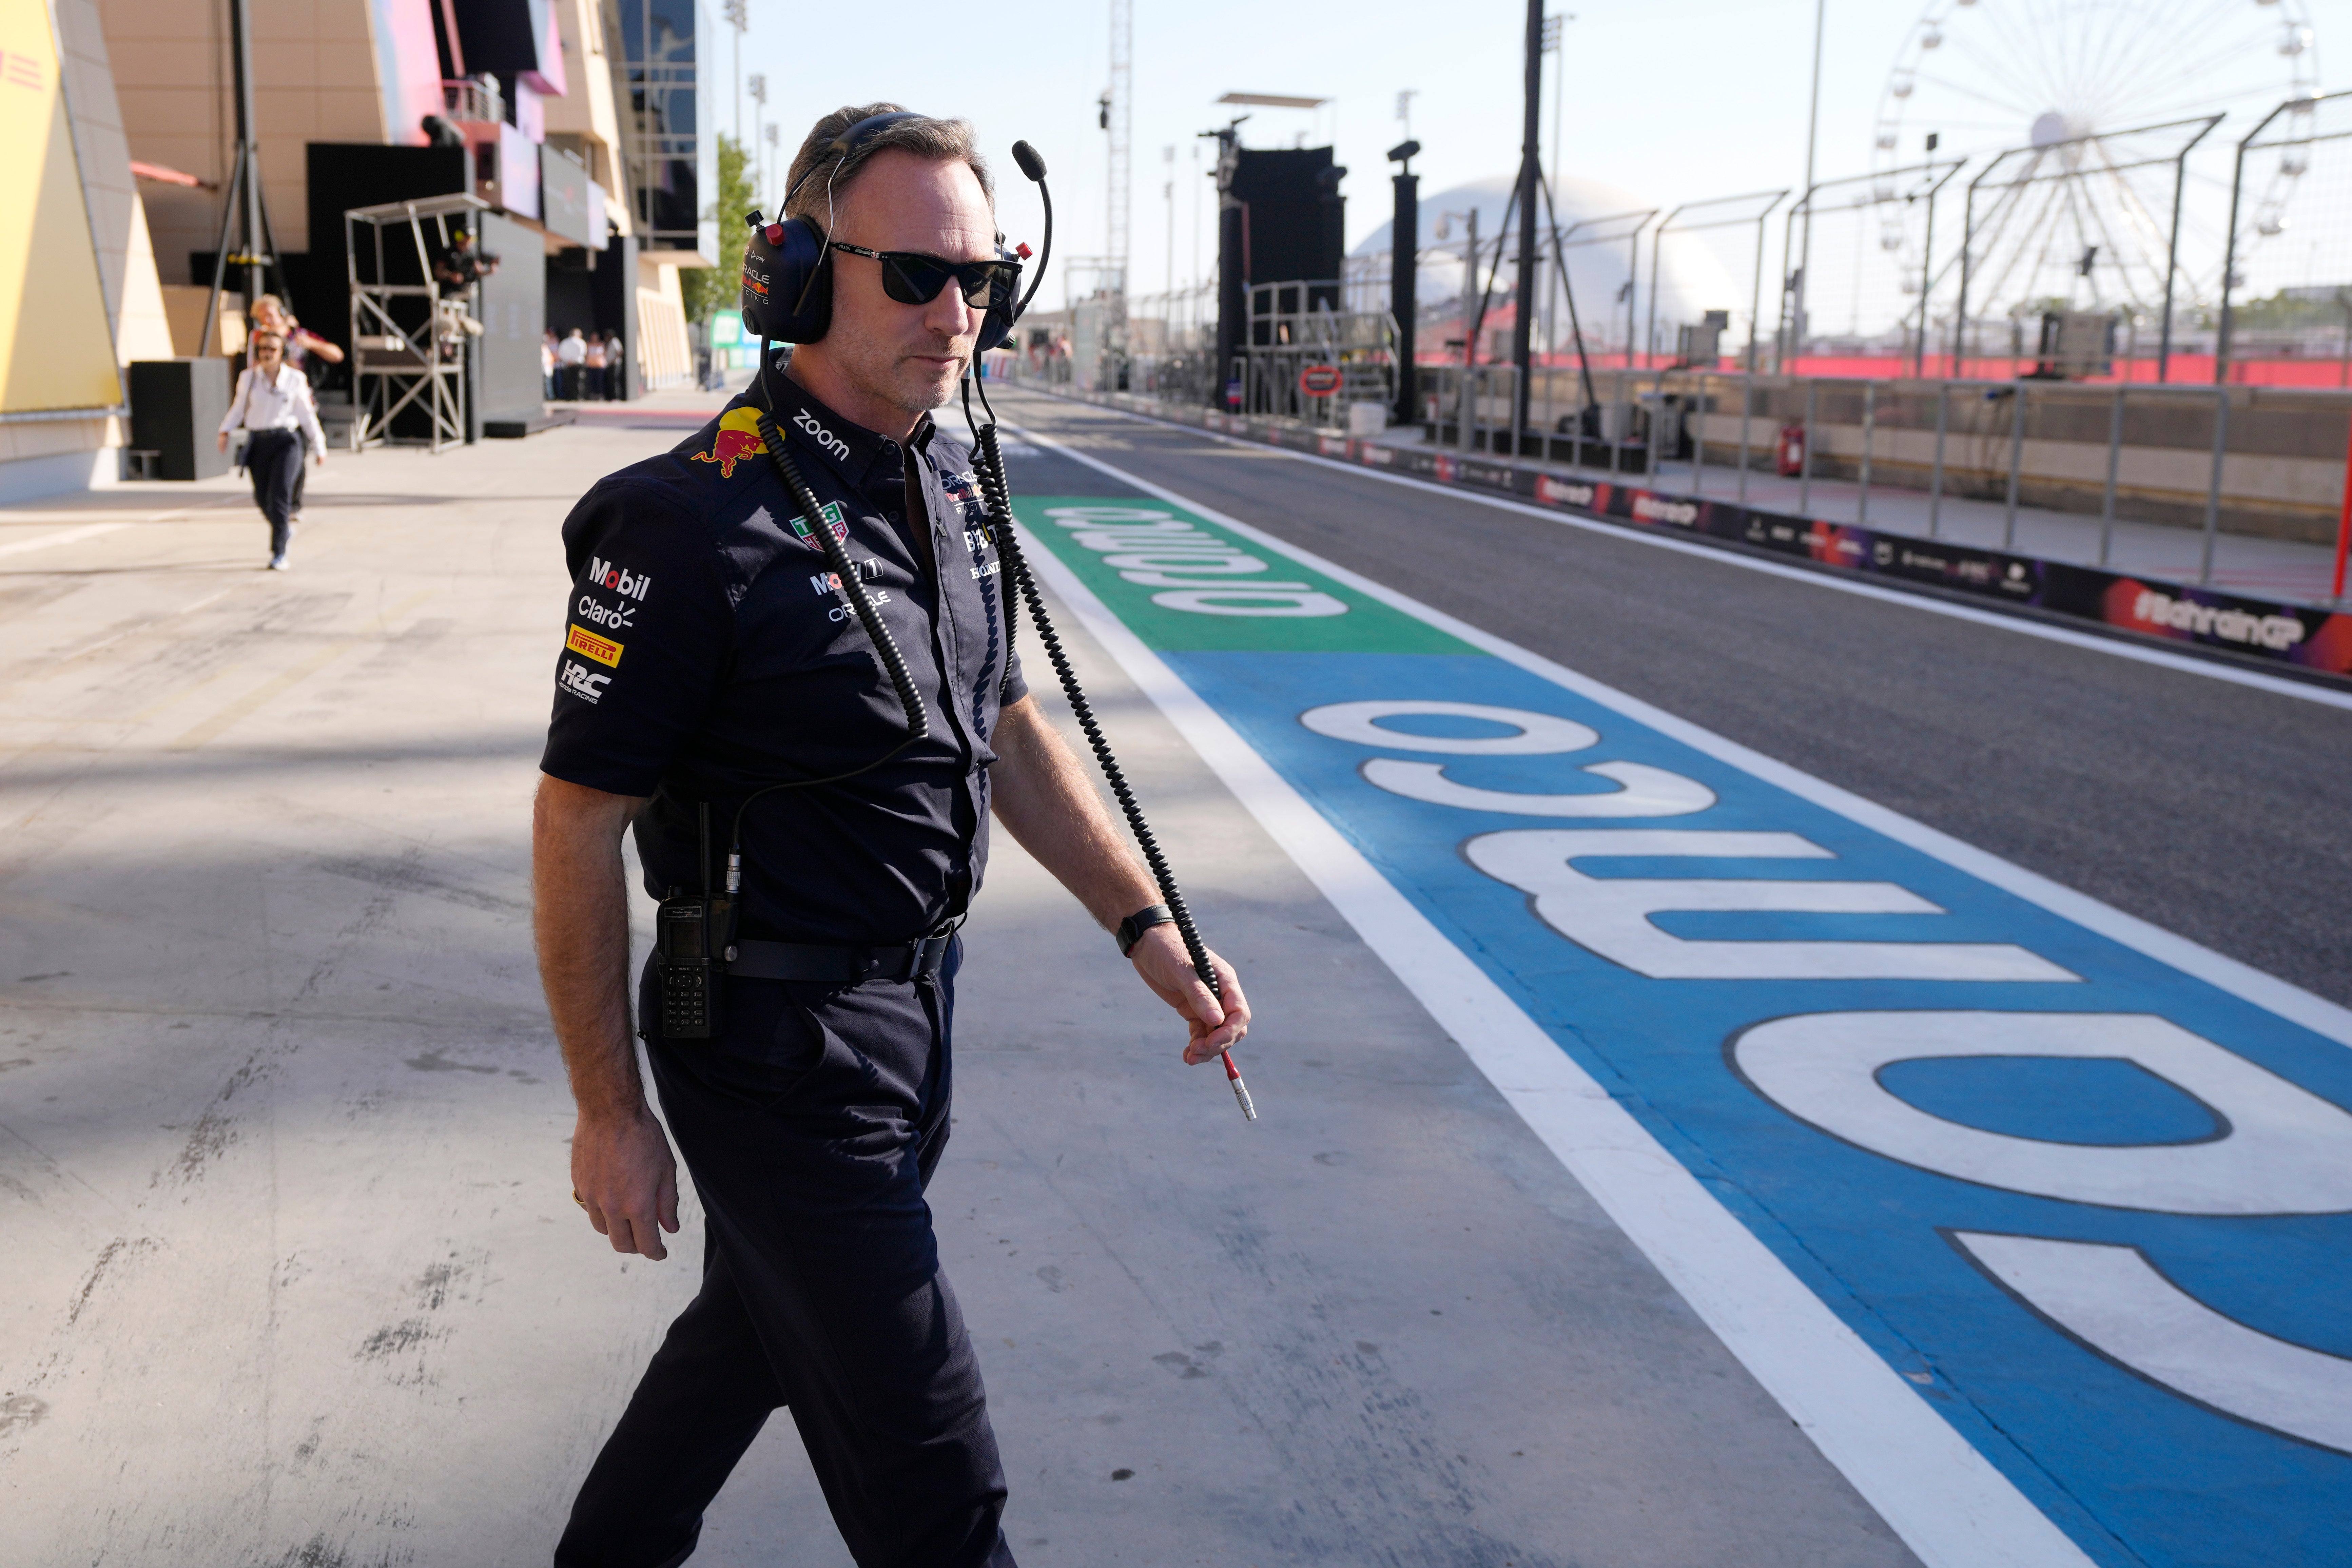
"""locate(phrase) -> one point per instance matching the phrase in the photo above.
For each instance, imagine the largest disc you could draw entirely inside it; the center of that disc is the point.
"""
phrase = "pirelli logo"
(603, 650)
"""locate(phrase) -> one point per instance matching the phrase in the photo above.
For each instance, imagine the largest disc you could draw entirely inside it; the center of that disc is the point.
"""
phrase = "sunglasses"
(916, 279)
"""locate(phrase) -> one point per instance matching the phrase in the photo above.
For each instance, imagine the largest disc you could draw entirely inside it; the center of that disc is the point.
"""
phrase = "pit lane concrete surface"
(293, 1274)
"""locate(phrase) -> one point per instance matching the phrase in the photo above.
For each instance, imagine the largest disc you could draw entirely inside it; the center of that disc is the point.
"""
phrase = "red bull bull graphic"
(738, 439)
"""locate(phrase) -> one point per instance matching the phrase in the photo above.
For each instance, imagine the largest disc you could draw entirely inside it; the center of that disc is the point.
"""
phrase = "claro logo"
(825, 439)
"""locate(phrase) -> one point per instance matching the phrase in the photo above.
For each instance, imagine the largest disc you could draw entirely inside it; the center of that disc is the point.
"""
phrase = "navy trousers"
(811, 1130)
(273, 461)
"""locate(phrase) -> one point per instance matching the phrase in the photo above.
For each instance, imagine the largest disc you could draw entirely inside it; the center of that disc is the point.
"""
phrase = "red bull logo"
(738, 440)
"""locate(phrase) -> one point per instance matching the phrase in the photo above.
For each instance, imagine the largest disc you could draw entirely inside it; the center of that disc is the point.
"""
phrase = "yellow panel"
(55, 351)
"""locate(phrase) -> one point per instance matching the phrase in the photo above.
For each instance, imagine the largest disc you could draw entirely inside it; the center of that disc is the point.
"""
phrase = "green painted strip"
(1183, 583)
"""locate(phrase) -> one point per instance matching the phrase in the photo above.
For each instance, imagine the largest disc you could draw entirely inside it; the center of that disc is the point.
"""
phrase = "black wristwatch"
(1131, 930)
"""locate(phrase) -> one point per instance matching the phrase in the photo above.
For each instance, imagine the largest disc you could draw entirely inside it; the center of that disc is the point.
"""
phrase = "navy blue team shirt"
(707, 653)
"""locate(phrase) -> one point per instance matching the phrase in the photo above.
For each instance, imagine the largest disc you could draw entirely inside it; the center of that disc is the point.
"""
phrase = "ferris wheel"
(2097, 96)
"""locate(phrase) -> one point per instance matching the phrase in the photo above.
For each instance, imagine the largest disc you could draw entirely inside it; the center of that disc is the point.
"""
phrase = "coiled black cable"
(997, 496)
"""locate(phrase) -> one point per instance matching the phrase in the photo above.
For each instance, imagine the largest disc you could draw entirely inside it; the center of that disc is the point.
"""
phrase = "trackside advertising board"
(2084, 1205)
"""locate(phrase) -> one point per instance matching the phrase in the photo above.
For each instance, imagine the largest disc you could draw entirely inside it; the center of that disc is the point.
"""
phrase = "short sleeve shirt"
(709, 653)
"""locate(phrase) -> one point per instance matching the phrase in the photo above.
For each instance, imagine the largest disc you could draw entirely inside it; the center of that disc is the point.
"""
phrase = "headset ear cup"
(787, 285)
(996, 326)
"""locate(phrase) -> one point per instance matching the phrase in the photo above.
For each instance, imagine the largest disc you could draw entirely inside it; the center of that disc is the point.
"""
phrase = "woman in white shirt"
(273, 404)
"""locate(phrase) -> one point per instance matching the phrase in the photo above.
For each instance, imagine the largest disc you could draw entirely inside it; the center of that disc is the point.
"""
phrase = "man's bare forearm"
(581, 917)
(1046, 800)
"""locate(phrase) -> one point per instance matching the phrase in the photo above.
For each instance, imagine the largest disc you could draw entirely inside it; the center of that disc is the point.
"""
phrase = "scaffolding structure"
(1297, 324)
(408, 339)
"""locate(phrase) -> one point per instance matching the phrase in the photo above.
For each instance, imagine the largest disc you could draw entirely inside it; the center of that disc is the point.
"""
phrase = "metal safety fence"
(1938, 457)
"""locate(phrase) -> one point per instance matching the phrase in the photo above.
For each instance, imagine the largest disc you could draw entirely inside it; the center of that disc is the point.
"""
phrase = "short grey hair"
(816, 186)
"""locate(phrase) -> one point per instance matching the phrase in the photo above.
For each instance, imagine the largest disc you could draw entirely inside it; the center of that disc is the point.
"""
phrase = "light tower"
(738, 17)
(758, 159)
(1118, 119)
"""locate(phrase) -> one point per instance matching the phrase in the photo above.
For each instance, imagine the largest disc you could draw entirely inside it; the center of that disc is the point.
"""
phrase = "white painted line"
(62, 536)
(1950, 1505)
(2026, 625)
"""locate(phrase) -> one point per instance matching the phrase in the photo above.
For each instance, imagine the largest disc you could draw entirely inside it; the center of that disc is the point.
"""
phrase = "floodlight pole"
(1530, 170)
(1812, 139)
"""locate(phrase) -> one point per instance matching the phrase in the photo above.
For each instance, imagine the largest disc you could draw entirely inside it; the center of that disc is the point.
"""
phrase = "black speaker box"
(176, 409)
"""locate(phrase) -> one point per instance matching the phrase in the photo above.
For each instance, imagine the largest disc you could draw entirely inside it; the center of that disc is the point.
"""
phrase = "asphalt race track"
(2214, 811)
(2029, 1213)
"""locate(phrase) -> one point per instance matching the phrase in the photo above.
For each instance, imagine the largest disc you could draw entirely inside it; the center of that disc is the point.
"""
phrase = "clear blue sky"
(1675, 100)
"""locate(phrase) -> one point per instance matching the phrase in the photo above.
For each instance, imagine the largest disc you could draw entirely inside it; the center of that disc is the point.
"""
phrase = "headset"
(788, 295)
(788, 263)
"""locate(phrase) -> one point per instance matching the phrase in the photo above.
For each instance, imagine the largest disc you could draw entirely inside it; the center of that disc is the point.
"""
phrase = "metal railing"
(2178, 458)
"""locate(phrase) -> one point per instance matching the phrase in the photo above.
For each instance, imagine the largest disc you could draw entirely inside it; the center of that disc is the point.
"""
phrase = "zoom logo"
(825, 439)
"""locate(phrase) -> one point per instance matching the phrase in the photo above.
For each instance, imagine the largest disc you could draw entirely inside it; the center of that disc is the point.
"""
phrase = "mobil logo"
(617, 579)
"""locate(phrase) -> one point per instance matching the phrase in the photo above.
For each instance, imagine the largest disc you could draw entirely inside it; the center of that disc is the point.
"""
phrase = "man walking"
(711, 656)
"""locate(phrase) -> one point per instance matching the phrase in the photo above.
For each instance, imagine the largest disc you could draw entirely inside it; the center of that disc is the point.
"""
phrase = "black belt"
(918, 960)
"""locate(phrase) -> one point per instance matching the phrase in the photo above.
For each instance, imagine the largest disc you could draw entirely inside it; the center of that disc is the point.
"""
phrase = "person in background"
(573, 353)
(463, 263)
(273, 405)
(302, 345)
(616, 368)
(547, 363)
(594, 362)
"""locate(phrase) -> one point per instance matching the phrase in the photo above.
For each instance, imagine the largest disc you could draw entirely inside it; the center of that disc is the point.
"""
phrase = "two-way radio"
(691, 946)
(696, 933)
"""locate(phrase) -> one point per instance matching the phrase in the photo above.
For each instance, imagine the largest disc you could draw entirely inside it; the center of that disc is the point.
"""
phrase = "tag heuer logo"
(832, 513)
